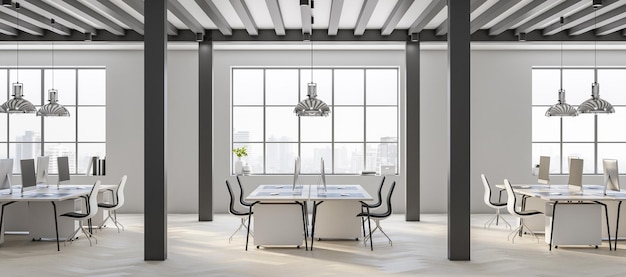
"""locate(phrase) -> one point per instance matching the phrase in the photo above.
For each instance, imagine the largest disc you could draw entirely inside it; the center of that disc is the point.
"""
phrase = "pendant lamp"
(18, 104)
(53, 108)
(561, 108)
(311, 106)
(595, 104)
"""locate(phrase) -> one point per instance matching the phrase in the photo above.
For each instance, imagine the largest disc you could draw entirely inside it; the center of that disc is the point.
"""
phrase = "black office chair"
(231, 209)
(92, 209)
(377, 217)
(372, 206)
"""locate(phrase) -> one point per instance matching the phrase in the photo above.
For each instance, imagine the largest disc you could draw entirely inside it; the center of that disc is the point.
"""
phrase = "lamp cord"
(561, 30)
(17, 54)
(52, 23)
(595, 47)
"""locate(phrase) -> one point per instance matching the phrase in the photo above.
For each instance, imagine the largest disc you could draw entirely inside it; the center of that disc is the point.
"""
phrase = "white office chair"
(117, 203)
(511, 207)
(495, 205)
(92, 209)
(243, 216)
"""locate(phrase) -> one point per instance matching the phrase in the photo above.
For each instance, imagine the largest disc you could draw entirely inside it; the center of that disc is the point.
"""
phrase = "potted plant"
(240, 152)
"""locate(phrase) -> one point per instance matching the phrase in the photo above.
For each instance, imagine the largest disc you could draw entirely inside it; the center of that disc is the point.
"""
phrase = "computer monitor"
(544, 170)
(64, 170)
(6, 174)
(323, 174)
(296, 173)
(576, 173)
(42, 170)
(29, 181)
(611, 175)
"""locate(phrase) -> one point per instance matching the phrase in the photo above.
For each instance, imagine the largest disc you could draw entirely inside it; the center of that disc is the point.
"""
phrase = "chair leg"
(514, 234)
(490, 221)
(507, 223)
(72, 236)
(530, 231)
(241, 225)
(382, 231)
(86, 234)
(106, 219)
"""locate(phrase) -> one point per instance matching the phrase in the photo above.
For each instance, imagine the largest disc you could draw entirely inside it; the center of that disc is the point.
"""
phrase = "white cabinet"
(574, 224)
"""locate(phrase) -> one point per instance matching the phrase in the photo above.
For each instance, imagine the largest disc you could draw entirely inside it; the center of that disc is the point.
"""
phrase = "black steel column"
(205, 131)
(155, 130)
(459, 130)
(413, 129)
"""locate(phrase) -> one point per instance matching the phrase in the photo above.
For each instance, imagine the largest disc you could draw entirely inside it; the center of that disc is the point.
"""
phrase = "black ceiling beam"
(443, 27)
(137, 5)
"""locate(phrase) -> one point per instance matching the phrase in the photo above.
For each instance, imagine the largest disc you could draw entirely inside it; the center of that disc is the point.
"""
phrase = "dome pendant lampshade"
(53, 108)
(312, 106)
(561, 108)
(18, 104)
(595, 104)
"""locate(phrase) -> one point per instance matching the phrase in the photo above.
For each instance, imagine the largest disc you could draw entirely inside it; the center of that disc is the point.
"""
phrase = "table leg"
(608, 230)
(248, 231)
(617, 224)
(306, 247)
(552, 225)
(523, 208)
(56, 224)
(313, 224)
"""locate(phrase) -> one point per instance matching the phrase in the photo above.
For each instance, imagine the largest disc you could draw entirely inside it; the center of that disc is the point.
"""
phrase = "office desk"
(37, 212)
(559, 194)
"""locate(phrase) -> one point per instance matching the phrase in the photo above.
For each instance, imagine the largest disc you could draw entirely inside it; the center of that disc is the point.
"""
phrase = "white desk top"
(51, 193)
(282, 193)
(567, 193)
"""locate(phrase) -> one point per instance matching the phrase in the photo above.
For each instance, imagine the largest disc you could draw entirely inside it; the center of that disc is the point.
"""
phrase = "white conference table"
(571, 194)
(277, 194)
(44, 194)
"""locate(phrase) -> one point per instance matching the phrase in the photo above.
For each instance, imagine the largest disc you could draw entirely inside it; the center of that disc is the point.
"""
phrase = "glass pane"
(31, 80)
(577, 85)
(551, 150)
(316, 129)
(60, 129)
(281, 87)
(612, 151)
(381, 154)
(348, 158)
(64, 82)
(22, 151)
(545, 128)
(91, 123)
(24, 127)
(381, 86)
(3, 127)
(4, 151)
(611, 126)
(382, 124)
(254, 158)
(582, 151)
(612, 85)
(281, 124)
(85, 152)
(280, 157)
(578, 129)
(247, 124)
(55, 150)
(349, 88)
(247, 87)
(91, 87)
(545, 86)
(349, 123)
(311, 154)
(4, 86)
(324, 80)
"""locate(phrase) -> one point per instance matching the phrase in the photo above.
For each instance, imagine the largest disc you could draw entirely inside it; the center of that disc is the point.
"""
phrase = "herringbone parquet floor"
(202, 249)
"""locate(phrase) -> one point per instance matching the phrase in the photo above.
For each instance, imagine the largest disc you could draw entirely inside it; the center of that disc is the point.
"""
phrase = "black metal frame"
(305, 220)
(606, 212)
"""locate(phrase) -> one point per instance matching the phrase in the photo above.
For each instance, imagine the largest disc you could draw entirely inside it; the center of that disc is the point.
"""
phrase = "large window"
(82, 135)
(360, 134)
(587, 136)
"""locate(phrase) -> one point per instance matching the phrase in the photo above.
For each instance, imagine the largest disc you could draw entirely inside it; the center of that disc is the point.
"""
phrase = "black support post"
(459, 130)
(413, 129)
(155, 130)
(205, 131)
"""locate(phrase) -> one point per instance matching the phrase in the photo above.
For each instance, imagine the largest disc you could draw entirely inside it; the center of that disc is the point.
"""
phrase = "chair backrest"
(388, 212)
(487, 191)
(231, 206)
(380, 194)
(119, 194)
(93, 200)
(510, 205)
(241, 193)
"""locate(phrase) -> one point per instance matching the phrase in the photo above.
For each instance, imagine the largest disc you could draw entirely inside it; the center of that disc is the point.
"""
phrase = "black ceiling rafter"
(443, 27)
(137, 5)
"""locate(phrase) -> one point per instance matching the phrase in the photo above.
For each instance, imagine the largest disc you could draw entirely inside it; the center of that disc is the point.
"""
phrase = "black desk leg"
(617, 224)
(306, 247)
(2, 213)
(552, 225)
(608, 230)
(56, 224)
(521, 229)
(248, 232)
(313, 223)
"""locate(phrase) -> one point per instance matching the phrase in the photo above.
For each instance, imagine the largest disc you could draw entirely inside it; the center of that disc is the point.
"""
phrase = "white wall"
(500, 117)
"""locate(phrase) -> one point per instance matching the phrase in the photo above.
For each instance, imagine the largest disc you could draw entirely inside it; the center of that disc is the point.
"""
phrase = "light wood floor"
(202, 249)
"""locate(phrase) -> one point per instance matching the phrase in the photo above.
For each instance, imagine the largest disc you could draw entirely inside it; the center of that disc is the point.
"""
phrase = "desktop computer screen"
(576, 173)
(611, 175)
(6, 173)
(296, 172)
(544, 170)
(29, 181)
(64, 169)
(323, 174)
(42, 170)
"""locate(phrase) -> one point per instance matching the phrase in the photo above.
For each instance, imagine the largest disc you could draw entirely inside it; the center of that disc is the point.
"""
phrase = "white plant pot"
(239, 167)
